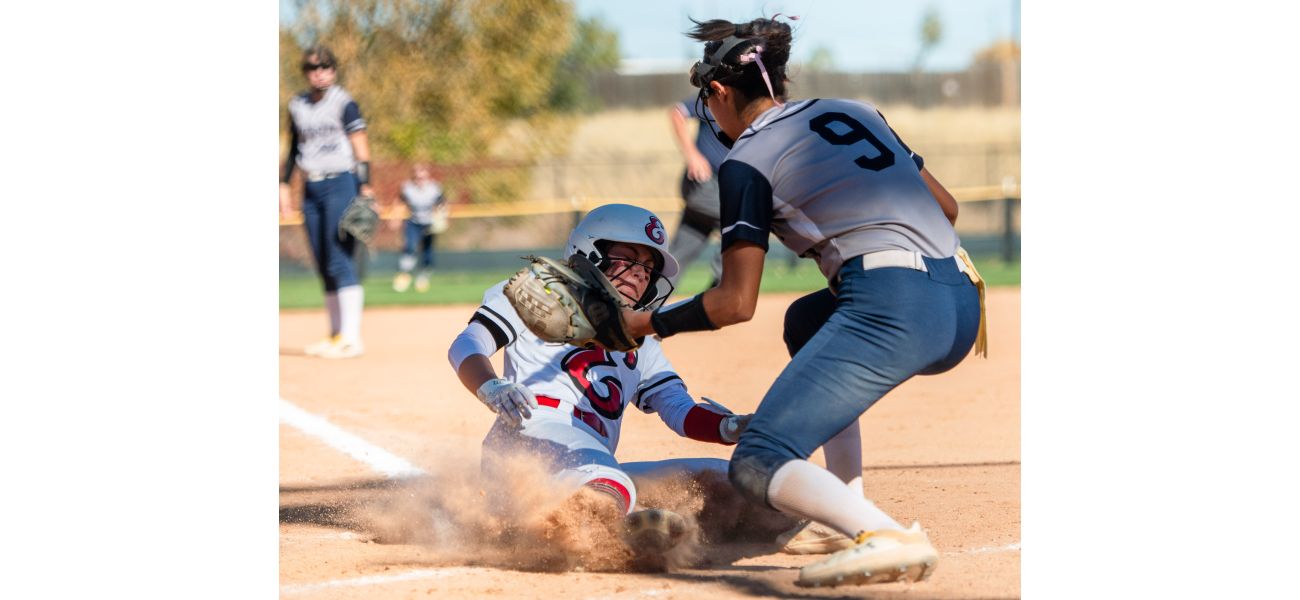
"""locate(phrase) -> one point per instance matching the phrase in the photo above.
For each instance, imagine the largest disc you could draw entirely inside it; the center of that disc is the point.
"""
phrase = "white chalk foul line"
(379, 579)
(373, 456)
(450, 571)
(989, 549)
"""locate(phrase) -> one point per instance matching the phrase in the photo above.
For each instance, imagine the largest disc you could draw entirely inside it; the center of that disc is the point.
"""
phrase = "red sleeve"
(703, 424)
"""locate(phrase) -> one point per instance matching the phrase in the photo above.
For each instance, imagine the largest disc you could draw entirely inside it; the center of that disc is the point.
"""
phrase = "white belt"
(314, 177)
(899, 258)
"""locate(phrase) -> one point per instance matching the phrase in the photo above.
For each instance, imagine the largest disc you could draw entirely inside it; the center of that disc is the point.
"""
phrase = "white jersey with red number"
(599, 383)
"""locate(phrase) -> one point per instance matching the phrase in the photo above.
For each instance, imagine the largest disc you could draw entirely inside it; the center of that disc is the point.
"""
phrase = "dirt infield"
(944, 450)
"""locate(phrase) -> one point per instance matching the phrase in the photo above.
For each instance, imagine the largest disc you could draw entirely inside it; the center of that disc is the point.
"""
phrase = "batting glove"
(732, 426)
(513, 402)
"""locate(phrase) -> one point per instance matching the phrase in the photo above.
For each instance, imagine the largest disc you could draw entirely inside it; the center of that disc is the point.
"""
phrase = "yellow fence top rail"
(552, 206)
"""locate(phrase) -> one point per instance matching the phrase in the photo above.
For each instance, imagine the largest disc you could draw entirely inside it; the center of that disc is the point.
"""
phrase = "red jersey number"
(578, 364)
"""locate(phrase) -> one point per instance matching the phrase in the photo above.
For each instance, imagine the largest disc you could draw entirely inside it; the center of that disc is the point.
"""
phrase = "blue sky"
(862, 35)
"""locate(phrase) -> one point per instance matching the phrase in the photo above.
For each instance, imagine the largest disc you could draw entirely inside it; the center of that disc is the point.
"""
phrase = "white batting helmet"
(630, 225)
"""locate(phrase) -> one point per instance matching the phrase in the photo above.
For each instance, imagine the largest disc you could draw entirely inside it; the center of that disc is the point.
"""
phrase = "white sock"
(351, 300)
(406, 263)
(332, 307)
(844, 457)
(806, 490)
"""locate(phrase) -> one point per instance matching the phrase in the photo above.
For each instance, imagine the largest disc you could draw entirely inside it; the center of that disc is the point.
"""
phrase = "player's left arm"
(941, 195)
(361, 149)
(355, 125)
(700, 422)
(662, 391)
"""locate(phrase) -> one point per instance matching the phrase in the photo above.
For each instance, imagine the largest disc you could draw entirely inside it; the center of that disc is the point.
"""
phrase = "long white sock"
(844, 457)
(351, 300)
(806, 490)
(332, 307)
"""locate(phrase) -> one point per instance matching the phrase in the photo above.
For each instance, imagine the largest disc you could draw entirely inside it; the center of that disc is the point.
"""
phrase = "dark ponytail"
(775, 37)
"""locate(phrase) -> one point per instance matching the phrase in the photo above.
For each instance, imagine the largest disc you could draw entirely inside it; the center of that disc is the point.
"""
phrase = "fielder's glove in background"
(359, 220)
(573, 303)
(732, 426)
(512, 401)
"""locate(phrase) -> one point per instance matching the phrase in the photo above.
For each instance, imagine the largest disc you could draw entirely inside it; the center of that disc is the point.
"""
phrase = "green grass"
(468, 287)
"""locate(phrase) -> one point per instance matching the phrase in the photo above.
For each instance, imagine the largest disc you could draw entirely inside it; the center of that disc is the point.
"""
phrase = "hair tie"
(756, 55)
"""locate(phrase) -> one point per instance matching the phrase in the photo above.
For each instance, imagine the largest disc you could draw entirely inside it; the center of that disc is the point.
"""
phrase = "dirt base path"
(943, 450)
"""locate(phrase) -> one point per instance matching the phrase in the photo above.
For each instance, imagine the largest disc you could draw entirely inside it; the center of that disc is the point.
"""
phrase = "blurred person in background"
(699, 186)
(428, 210)
(329, 145)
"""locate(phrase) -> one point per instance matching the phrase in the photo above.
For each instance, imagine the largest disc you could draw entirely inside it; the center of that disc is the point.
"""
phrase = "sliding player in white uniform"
(565, 403)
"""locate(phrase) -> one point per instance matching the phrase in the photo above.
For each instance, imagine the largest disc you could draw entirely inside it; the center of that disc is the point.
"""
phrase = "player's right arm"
(489, 330)
(286, 172)
(747, 213)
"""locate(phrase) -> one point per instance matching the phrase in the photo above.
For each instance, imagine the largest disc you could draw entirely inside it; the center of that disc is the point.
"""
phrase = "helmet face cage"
(628, 224)
(653, 297)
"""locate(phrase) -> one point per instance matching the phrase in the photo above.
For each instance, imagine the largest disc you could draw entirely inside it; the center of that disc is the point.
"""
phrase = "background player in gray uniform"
(837, 185)
(699, 186)
(424, 200)
(329, 145)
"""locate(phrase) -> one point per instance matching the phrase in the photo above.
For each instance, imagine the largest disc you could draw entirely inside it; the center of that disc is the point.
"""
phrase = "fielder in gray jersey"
(823, 206)
(837, 185)
(328, 144)
(321, 128)
(428, 217)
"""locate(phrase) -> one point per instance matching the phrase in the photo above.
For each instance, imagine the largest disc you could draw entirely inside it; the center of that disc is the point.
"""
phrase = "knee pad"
(750, 476)
(805, 317)
(797, 330)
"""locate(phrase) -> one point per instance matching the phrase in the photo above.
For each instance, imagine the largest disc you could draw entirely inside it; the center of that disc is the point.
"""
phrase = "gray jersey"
(832, 180)
(321, 130)
(421, 199)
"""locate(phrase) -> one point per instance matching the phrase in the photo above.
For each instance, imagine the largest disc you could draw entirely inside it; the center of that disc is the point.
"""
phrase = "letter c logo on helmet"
(655, 231)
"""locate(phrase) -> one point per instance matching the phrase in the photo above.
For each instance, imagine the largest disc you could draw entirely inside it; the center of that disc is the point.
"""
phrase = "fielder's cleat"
(878, 557)
(321, 347)
(401, 282)
(345, 349)
(422, 283)
(811, 537)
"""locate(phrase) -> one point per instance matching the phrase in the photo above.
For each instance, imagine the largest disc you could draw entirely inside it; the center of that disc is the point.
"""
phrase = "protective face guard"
(703, 73)
(649, 298)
